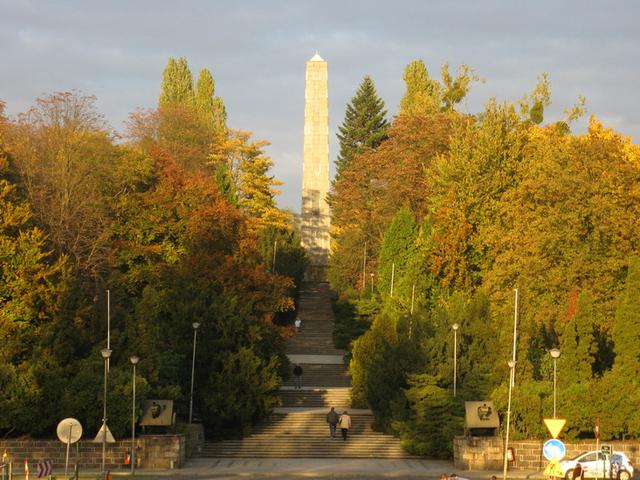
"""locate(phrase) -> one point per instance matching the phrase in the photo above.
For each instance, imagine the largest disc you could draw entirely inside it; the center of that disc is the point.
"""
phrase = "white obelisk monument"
(315, 170)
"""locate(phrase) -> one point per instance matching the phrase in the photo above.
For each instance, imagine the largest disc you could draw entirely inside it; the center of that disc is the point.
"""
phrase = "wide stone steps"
(304, 435)
(303, 448)
(317, 397)
(316, 333)
(299, 428)
(322, 375)
(314, 424)
(317, 349)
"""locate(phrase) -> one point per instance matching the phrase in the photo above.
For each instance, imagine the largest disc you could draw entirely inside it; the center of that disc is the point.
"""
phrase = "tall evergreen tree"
(423, 94)
(423, 283)
(177, 83)
(210, 107)
(364, 126)
(578, 342)
(626, 329)
(398, 248)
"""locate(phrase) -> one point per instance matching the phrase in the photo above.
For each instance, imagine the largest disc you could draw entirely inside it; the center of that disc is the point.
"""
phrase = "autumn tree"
(245, 168)
(423, 95)
(63, 152)
(209, 106)
(177, 84)
(158, 221)
(191, 120)
(455, 89)
(508, 202)
(32, 283)
(375, 184)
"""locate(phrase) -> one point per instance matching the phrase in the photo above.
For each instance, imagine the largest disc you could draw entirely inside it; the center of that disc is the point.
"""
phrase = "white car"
(595, 464)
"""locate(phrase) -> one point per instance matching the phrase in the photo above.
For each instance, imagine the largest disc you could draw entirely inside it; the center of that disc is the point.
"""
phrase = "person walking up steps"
(332, 420)
(297, 372)
(345, 424)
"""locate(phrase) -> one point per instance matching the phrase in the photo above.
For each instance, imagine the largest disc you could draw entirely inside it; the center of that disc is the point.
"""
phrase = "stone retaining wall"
(485, 453)
(152, 451)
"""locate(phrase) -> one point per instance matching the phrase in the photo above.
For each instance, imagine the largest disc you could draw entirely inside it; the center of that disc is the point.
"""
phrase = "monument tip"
(317, 58)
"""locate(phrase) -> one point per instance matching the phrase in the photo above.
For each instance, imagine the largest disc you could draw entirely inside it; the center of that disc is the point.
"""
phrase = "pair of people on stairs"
(343, 421)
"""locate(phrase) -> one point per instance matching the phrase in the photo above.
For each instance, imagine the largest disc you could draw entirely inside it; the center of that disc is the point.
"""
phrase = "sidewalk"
(307, 468)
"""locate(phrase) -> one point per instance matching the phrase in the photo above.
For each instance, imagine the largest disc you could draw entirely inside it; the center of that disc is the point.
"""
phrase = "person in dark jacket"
(332, 420)
(297, 373)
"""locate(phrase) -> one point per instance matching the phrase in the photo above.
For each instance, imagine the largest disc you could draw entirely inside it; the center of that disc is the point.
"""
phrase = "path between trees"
(298, 428)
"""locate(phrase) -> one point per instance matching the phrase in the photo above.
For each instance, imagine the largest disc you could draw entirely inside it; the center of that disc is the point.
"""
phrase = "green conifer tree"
(626, 329)
(423, 94)
(423, 283)
(398, 248)
(177, 83)
(364, 126)
(578, 343)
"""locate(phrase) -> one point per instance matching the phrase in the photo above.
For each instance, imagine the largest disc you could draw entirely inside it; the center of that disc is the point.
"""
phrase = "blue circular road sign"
(554, 448)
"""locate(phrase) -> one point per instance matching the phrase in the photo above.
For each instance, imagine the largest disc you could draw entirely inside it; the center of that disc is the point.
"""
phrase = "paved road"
(321, 469)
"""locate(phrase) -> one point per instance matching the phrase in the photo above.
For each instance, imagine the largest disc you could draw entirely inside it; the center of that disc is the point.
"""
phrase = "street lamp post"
(106, 353)
(512, 377)
(455, 327)
(195, 326)
(555, 354)
(134, 361)
(512, 365)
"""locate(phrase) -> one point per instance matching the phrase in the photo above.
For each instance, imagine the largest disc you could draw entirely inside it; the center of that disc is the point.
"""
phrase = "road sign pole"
(66, 462)
(597, 450)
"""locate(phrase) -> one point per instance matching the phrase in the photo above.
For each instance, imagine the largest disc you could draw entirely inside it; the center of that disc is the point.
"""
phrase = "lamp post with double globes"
(106, 353)
(455, 327)
(555, 354)
(195, 326)
(134, 361)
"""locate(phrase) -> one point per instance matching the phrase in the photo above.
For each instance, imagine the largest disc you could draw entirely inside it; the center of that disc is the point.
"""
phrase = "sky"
(257, 50)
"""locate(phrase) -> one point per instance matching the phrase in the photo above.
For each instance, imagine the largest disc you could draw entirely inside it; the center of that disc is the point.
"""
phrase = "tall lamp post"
(512, 366)
(555, 354)
(106, 353)
(455, 327)
(512, 377)
(134, 361)
(195, 326)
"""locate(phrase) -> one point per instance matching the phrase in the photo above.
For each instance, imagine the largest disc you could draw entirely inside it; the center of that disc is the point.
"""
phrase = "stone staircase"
(298, 429)
(306, 435)
(316, 397)
(326, 375)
